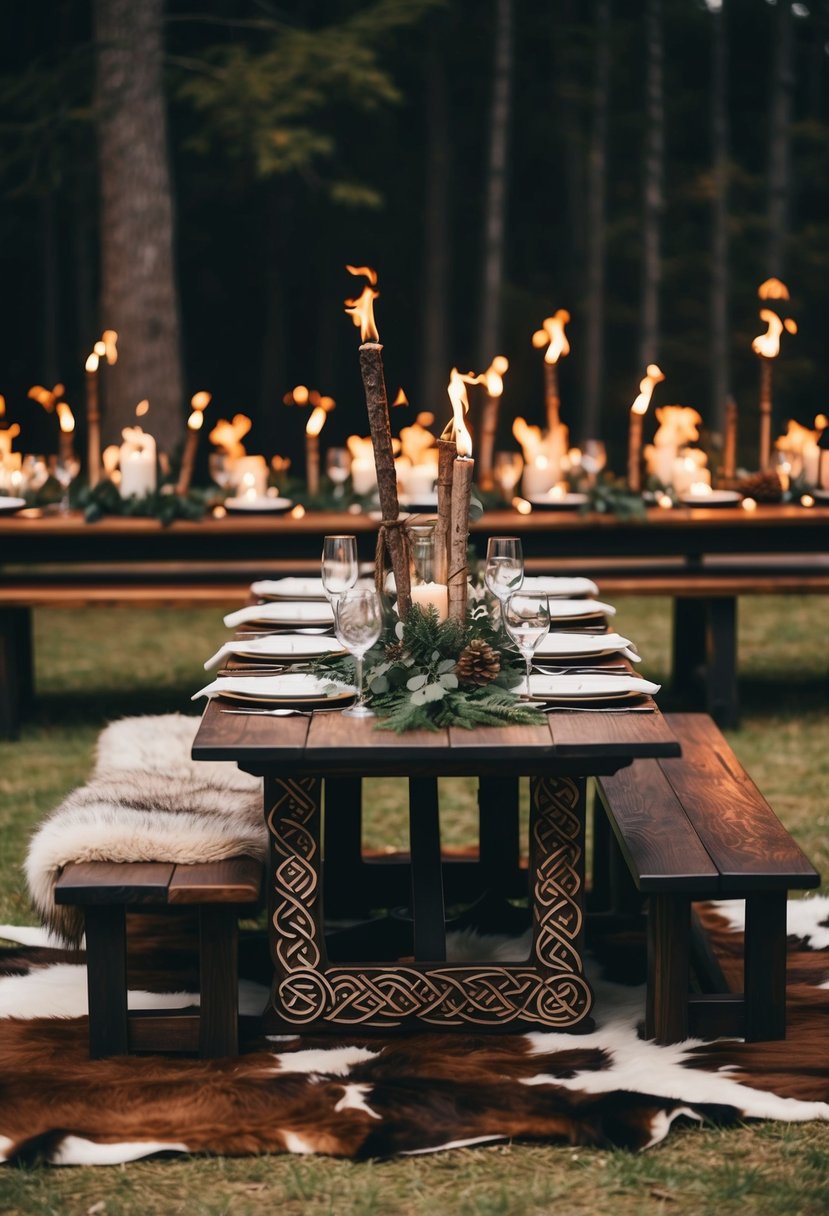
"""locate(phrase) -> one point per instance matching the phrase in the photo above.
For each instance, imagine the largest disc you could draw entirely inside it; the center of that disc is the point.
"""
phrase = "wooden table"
(303, 759)
(704, 559)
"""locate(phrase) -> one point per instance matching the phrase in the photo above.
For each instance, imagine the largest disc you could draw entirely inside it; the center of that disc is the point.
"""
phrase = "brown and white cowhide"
(377, 1097)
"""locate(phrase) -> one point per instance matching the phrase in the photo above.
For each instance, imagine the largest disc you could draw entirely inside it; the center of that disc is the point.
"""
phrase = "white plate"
(560, 587)
(558, 502)
(820, 495)
(289, 647)
(257, 506)
(584, 646)
(573, 610)
(717, 498)
(293, 686)
(288, 589)
(282, 612)
(598, 687)
(9, 505)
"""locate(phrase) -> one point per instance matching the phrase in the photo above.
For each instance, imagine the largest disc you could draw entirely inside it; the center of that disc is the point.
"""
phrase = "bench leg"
(16, 668)
(669, 933)
(765, 966)
(688, 644)
(106, 977)
(721, 693)
(219, 982)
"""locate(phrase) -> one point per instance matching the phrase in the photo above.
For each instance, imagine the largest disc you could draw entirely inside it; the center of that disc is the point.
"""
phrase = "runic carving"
(547, 991)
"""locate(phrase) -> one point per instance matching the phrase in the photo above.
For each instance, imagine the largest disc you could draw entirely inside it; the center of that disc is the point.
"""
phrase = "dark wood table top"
(328, 744)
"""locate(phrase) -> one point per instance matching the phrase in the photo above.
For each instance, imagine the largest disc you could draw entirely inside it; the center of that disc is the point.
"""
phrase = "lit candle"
(312, 449)
(493, 379)
(767, 347)
(729, 459)
(198, 402)
(539, 477)
(652, 377)
(553, 337)
(432, 595)
(93, 422)
(463, 467)
(138, 463)
(67, 427)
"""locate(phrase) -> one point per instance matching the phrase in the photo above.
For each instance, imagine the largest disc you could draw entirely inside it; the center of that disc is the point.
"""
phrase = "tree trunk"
(50, 290)
(87, 328)
(496, 185)
(273, 375)
(654, 196)
(780, 117)
(139, 297)
(720, 278)
(596, 227)
(435, 362)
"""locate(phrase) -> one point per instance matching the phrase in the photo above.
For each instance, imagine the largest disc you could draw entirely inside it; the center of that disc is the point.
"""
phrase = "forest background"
(197, 173)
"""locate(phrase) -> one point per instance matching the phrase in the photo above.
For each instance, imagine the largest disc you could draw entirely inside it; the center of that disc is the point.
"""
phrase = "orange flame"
(229, 435)
(201, 400)
(100, 348)
(364, 272)
(65, 417)
(773, 289)
(401, 398)
(821, 422)
(327, 403)
(196, 421)
(316, 421)
(301, 395)
(361, 312)
(110, 458)
(552, 332)
(653, 376)
(493, 377)
(767, 345)
(46, 397)
(109, 338)
(142, 408)
(2, 405)
(91, 364)
(460, 407)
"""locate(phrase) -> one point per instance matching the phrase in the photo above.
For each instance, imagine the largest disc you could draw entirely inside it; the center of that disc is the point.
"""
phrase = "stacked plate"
(590, 689)
(293, 689)
(569, 646)
(560, 588)
(288, 589)
(277, 647)
(287, 614)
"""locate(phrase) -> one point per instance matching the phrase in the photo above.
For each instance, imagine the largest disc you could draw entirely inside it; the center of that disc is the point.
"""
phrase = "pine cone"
(394, 651)
(762, 487)
(478, 663)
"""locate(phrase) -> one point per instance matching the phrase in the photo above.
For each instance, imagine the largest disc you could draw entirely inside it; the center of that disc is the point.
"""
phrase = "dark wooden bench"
(697, 828)
(219, 892)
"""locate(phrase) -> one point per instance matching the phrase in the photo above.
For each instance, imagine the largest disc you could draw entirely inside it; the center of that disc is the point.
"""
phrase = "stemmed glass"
(339, 566)
(358, 622)
(507, 472)
(527, 621)
(504, 571)
(64, 469)
(338, 468)
(593, 458)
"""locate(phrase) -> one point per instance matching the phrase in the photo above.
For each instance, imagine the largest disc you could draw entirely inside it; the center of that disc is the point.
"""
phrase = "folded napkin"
(288, 647)
(287, 588)
(285, 612)
(567, 608)
(559, 586)
(593, 686)
(563, 645)
(292, 686)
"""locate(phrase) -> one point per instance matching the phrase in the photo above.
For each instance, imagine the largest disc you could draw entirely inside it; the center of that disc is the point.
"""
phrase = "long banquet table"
(703, 558)
(300, 756)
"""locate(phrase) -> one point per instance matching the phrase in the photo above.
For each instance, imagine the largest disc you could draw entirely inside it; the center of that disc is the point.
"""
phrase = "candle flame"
(65, 417)
(652, 377)
(364, 272)
(797, 437)
(46, 397)
(100, 348)
(109, 338)
(767, 345)
(142, 408)
(361, 312)
(229, 435)
(301, 394)
(327, 403)
(552, 332)
(196, 421)
(773, 289)
(201, 400)
(821, 422)
(493, 377)
(2, 405)
(401, 398)
(110, 458)
(460, 407)
(91, 364)
(316, 422)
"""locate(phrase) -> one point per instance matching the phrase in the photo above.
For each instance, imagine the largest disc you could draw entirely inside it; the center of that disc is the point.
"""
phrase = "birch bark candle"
(652, 377)
(93, 422)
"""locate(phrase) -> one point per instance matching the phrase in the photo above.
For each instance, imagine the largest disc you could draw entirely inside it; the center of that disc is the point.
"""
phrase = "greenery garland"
(415, 680)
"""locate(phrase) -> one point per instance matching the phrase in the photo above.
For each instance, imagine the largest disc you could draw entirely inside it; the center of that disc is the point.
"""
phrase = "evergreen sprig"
(413, 683)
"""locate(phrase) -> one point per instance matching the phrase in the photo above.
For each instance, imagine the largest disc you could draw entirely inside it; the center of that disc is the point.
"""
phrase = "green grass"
(104, 663)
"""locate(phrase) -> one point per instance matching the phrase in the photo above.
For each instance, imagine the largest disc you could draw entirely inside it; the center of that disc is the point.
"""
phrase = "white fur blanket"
(146, 801)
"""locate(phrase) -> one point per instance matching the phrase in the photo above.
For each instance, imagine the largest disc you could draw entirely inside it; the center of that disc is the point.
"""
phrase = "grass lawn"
(105, 663)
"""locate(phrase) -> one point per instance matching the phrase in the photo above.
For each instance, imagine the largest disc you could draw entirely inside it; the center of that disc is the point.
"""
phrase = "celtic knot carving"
(548, 991)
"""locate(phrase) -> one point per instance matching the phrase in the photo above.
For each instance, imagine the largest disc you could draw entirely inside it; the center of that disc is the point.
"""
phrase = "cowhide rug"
(376, 1097)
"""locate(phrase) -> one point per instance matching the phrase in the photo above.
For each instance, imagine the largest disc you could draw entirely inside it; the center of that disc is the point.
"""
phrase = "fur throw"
(146, 801)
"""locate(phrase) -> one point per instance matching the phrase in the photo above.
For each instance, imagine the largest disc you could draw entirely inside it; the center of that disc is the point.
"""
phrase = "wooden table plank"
(112, 882)
(582, 735)
(247, 738)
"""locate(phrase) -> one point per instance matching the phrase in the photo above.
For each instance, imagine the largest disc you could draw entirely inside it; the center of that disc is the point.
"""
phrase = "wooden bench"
(219, 891)
(697, 828)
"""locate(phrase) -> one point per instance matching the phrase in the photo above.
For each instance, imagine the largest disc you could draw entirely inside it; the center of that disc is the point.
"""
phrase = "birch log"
(486, 442)
(765, 413)
(446, 459)
(635, 452)
(551, 397)
(374, 385)
(462, 470)
(93, 427)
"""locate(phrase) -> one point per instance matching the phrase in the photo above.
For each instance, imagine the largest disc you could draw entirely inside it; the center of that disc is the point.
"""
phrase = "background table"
(296, 755)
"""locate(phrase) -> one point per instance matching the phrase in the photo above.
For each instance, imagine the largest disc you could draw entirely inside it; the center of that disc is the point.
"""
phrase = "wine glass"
(507, 471)
(64, 468)
(593, 458)
(221, 469)
(338, 468)
(358, 622)
(339, 566)
(527, 621)
(504, 571)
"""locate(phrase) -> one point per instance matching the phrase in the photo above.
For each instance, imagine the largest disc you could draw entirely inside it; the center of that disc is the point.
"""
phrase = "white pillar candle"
(434, 595)
(137, 459)
(539, 477)
(418, 479)
(661, 463)
(363, 475)
(251, 472)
